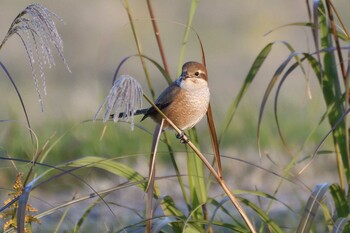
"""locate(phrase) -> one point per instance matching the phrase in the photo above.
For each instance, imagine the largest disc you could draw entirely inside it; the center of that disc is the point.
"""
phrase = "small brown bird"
(185, 101)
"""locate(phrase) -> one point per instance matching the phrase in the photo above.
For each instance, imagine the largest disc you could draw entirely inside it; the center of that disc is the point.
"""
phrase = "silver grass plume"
(124, 98)
(37, 30)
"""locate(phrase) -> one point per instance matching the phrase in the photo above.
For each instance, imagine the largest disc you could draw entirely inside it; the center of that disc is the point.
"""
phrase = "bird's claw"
(183, 137)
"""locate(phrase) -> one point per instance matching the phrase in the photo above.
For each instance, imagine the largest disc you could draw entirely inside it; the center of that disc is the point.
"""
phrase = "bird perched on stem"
(185, 101)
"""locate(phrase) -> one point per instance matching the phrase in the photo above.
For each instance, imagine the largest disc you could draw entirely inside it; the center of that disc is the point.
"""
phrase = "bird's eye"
(197, 73)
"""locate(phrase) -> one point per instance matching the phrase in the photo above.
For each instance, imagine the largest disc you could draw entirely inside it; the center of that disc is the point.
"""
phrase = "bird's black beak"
(185, 75)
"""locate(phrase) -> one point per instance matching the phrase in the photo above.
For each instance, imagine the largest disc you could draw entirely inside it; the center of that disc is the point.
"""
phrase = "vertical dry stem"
(157, 34)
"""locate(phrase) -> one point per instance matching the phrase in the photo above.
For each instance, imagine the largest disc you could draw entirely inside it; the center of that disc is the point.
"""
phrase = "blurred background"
(97, 36)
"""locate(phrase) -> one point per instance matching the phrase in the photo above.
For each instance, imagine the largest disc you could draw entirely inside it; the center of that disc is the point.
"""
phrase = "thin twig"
(157, 34)
(151, 176)
(20, 99)
(339, 18)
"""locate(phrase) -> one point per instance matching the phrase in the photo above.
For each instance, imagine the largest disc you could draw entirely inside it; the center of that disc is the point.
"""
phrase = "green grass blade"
(340, 224)
(170, 209)
(298, 63)
(85, 214)
(267, 93)
(193, 8)
(197, 183)
(298, 24)
(95, 194)
(161, 223)
(114, 167)
(341, 207)
(263, 216)
(218, 206)
(263, 195)
(340, 200)
(311, 207)
(192, 224)
(315, 29)
(259, 60)
(330, 84)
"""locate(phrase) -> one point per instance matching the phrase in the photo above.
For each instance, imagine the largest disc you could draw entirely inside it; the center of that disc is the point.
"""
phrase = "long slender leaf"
(316, 68)
(89, 196)
(196, 179)
(259, 60)
(340, 200)
(340, 224)
(332, 94)
(158, 225)
(264, 217)
(85, 214)
(218, 206)
(268, 90)
(279, 87)
(193, 8)
(170, 209)
(305, 24)
(315, 29)
(114, 167)
(311, 207)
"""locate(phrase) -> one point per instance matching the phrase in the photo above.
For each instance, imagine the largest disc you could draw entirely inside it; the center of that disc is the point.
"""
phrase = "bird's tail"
(123, 114)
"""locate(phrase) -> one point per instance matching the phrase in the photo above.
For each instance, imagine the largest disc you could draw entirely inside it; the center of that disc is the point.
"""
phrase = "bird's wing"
(164, 99)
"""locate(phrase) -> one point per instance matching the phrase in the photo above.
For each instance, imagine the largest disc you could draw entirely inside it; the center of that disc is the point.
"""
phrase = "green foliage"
(331, 83)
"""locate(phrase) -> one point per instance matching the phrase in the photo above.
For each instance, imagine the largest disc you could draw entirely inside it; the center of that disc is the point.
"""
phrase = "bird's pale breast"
(189, 108)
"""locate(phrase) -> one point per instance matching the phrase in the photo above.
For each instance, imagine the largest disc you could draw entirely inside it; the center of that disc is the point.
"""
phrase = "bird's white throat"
(192, 84)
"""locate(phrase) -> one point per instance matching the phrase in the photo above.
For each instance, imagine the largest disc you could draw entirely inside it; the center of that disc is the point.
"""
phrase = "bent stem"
(152, 172)
(221, 181)
(139, 48)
